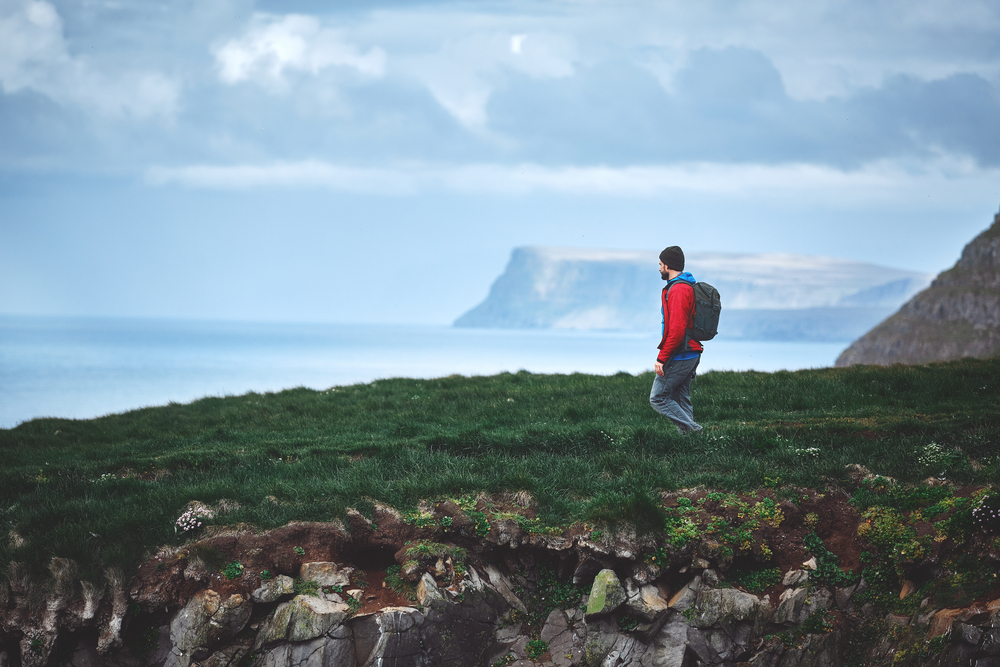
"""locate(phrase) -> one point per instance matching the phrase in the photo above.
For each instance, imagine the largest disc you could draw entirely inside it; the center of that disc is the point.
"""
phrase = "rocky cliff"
(768, 296)
(469, 589)
(957, 316)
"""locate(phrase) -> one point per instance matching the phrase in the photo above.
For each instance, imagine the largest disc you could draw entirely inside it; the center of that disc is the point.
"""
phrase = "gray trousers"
(671, 393)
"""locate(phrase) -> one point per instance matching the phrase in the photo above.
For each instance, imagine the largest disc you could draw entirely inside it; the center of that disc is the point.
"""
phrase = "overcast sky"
(376, 161)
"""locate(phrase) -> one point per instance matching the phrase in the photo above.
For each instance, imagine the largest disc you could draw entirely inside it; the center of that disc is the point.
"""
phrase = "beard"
(664, 275)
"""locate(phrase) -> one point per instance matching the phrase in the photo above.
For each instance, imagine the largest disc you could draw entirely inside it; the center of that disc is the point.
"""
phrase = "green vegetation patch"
(105, 492)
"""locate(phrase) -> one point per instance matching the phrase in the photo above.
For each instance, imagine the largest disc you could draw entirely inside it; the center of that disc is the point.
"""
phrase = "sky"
(378, 160)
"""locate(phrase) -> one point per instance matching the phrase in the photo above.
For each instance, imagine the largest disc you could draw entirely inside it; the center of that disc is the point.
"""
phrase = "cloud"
(34, 56)
(877, 182)
(275, 45)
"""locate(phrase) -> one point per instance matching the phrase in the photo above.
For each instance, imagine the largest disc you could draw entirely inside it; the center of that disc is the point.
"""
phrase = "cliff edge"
(957, 316)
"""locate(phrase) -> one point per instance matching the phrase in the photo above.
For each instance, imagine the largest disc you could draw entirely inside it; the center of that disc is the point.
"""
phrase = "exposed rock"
(427, 590)
(797, 604)
(606, 595)
(687, 596)
(273, 589)
(336, 649)
(669, 646)
(305, 617)
(326, 574)
(724, 604)
(957, 316)
(645, 602)
(205, 622)
(391, 637)
(795, 578)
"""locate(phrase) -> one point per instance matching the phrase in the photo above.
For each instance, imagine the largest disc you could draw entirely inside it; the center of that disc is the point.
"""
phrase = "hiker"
(679, 353)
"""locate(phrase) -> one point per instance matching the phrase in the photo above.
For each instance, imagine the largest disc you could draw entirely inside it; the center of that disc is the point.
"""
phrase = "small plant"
(397, 584)
(305, 586)
(266, 575)
(986, 517)
(811, 519)
(233, 570)
(535, 648)
(596, 535)
(299, 551)
(627, 623)
(757, 581)
(191, 519)
(446, 522)
(37, 645)
(480, 524)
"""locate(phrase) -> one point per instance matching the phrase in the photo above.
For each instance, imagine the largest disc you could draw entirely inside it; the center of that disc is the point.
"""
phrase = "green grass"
(106, 491)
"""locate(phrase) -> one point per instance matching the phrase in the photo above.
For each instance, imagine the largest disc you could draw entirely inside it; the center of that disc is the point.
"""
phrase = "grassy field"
(588, 448)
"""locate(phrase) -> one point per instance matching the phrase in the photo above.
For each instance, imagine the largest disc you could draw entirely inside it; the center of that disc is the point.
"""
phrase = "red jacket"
(678, 315)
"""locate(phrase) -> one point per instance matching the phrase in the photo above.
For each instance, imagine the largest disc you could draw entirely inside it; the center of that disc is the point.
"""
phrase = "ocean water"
(82, 368)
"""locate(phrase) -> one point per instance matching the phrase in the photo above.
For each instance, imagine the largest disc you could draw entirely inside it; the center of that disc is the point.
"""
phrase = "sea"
(81, 368)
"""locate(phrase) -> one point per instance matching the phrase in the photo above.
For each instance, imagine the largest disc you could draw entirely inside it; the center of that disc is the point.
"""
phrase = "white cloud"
(943, 180)
(275, 45)
(34, 56)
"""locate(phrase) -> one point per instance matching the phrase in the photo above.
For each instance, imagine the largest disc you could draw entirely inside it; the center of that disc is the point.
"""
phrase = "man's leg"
(670, 395)
(683, 398)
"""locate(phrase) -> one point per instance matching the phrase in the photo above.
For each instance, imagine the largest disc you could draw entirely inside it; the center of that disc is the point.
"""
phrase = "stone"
(645, 602)
(797, 604)
(230, 656)
(556, 632)
(326, 574)
(271, 590)
(729, 604)
(908, 589)
(795, 578)
(991, 642)
(687, 596)
(207, 620)
(393, 638)
(306, 617)
(970, 634)
(720, 644)
(334, 650)
(624, 651)
(810, 564)
(606, 595)
(427, 590)
(942, 622)
(668, 646)
(503, 587)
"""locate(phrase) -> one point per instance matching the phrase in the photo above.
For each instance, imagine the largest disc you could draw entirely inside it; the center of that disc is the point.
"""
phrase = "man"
(679, 355)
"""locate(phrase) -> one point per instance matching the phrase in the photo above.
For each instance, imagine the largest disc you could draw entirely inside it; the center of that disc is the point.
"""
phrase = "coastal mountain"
(767, 296)
(957, 316)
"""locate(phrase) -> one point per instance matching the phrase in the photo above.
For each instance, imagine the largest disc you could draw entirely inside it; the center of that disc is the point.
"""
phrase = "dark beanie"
(673, 257)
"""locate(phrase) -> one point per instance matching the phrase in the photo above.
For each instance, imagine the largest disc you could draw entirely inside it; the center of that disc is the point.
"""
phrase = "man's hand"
(658, 367)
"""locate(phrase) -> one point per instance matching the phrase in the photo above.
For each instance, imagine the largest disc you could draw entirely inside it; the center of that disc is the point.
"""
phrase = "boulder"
(206, 621)
(687, 596)
(326, 574)
(644, 602)
(669, 645)
(796, 605)
(427, 590)
(273, 589)
(391, 637)
(334, 650)
(305, 617)
(606, 595)
(728, 604)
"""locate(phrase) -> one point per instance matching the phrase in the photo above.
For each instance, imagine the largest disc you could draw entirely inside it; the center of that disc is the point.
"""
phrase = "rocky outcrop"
(457, 598)
(957, 316)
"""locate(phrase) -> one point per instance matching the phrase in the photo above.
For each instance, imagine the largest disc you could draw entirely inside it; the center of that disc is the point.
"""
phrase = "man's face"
(663, 271)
